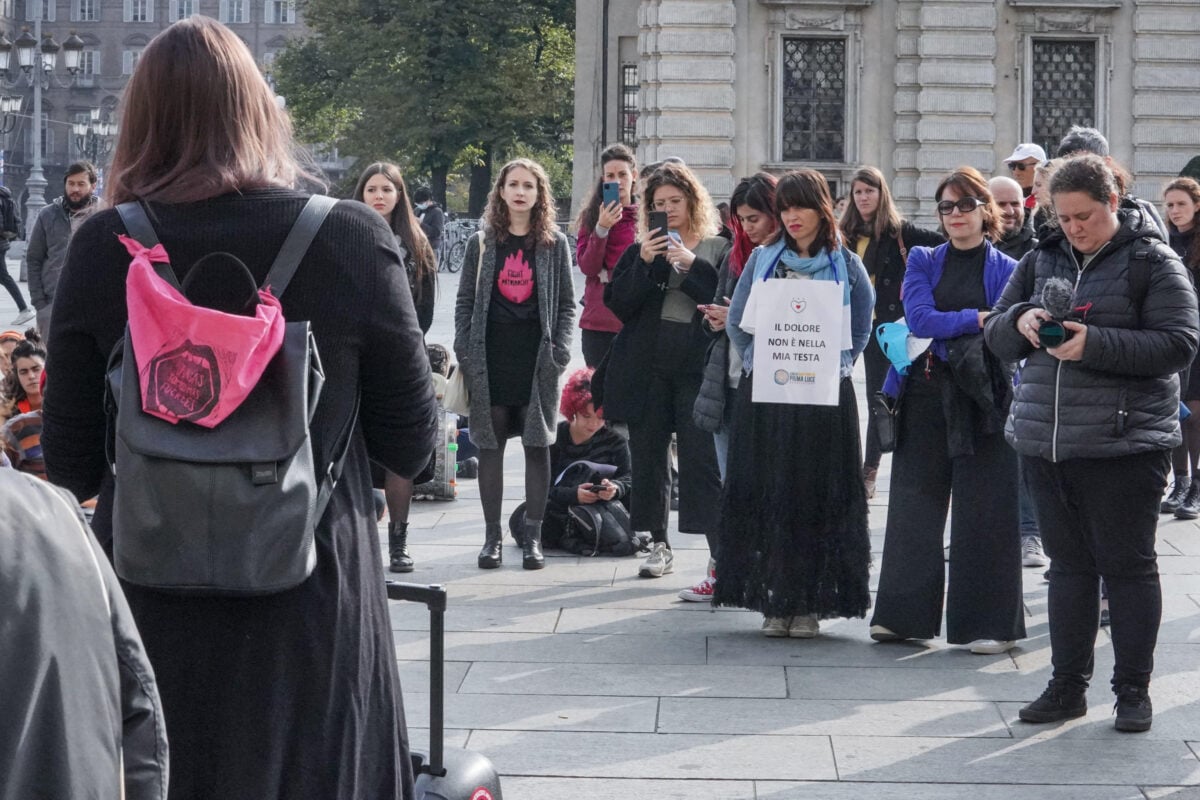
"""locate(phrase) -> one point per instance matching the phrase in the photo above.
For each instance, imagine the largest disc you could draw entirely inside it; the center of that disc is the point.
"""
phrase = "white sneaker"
(991, 647)
(804, 627)
(1032, 554)
(702, 592)
(659, 563)
(25, 316)
(776, 627)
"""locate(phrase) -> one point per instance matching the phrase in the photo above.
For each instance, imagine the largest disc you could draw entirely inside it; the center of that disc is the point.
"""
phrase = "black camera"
(1053, 333)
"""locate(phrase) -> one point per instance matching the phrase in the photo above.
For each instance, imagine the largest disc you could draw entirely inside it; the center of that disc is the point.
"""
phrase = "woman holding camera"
(951, 442)
(656, 363)
(1094, 420)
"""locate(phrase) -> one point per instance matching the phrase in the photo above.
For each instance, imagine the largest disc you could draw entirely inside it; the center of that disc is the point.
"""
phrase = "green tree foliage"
(424, 83)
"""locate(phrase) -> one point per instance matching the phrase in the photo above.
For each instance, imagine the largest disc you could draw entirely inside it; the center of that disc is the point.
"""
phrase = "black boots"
(493, 547)
(398, 548)
(531, 546)
(1179, 493)
(1190, 507)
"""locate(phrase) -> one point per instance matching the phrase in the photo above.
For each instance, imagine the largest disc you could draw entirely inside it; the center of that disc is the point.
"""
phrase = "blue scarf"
(824, 266)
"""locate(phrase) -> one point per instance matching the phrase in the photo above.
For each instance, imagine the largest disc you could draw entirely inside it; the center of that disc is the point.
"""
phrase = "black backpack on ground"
(228, 510)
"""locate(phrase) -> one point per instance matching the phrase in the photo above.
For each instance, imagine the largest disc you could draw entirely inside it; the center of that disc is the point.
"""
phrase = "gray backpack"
(228, 510)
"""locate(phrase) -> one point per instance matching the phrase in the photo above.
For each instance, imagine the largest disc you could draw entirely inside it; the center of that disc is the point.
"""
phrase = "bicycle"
(454, 242)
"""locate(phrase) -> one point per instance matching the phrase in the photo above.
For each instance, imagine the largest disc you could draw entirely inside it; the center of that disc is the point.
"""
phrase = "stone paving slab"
(658, 681)
(997, 681)
(1171, 792)
(644, 595)
(1172, 721)
(539, 712)
(643, 755)
(1127, 760)
(844, 651)
(414, 675)
(771, 790)
(650, 621)
(494, 618)
(813, 717)
(560, 648)
(648, 789)
(418, 738)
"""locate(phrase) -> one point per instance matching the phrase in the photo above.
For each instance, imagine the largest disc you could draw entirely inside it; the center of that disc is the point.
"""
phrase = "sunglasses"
(966, 206)
(1019, 166)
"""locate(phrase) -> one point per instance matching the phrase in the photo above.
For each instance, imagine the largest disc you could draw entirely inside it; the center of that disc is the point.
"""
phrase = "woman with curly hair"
(381, 186)
(950, 444)
(512, 336)
(656, 363)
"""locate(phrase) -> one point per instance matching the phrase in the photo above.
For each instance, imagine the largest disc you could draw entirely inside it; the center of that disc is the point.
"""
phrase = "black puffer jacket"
(885, 264)
(1123, 396)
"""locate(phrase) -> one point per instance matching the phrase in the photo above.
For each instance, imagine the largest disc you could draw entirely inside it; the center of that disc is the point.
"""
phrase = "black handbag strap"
(137, 223)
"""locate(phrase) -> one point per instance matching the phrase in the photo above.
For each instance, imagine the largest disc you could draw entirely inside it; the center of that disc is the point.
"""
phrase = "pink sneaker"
(702, 592)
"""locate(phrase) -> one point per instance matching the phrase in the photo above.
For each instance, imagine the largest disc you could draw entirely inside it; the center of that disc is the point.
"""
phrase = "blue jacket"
(862, 302)
(925, 267)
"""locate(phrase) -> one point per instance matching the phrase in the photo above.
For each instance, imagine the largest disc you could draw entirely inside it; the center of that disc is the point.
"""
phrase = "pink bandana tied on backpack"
(194, 363)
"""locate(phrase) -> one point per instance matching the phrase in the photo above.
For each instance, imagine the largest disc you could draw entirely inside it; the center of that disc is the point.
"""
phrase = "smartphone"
(657, 220)
(611, 193)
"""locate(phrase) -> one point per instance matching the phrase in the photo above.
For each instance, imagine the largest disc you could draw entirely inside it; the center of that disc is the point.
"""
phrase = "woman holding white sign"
(793, 529)
(952, 407)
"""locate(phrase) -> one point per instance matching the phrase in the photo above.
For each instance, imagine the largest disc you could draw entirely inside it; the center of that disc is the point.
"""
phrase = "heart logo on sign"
(799, 305)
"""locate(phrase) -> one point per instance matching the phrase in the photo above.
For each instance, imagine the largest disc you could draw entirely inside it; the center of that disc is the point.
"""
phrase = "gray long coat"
(556, 313)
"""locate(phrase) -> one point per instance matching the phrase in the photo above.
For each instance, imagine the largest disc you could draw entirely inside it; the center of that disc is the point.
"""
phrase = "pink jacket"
(596, 258)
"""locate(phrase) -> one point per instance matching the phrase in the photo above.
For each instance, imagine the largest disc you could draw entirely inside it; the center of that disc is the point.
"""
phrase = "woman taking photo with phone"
(873, 228)
(512, 335)
(606, 226)
(950, 444)
(657, 360)
(381, 186)
(794, 539)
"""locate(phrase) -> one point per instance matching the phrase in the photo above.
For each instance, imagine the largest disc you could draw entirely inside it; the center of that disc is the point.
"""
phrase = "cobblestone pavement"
(584, 681)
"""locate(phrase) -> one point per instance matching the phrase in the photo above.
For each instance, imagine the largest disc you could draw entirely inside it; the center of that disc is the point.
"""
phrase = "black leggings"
(507, 422)
(8, 283)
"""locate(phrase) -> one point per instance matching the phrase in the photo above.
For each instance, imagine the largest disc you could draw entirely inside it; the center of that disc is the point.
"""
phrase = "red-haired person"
(794, 539)
(950, 444)
(604, 232)
(583, 436)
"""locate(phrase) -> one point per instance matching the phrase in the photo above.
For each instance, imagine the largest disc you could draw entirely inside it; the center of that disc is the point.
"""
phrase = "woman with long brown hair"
(873, 228)
(793, 525)
(656, 363)
(513, 323)
(291, 694)
(381, 186)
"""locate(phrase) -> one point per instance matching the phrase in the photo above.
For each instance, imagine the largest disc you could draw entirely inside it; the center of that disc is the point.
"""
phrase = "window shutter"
(48, 10)
(173, 11)
(244, 10)
(95, 62)
(149, 10)
(223, 11)
(291, 12)
(74, 10)
(129, 10)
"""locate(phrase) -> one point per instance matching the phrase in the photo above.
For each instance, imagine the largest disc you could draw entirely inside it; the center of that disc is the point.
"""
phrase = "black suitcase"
(457, 774)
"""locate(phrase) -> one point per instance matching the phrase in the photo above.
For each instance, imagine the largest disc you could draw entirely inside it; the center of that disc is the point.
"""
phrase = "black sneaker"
(1059, 702)
(1179, 493)
(1190, 507)
(1133, 709)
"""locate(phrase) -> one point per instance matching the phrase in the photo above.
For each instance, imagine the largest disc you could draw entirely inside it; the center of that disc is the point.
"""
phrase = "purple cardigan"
(924, 270)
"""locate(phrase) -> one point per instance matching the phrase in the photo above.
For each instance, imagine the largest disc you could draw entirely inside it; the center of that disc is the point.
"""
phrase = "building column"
(687, 87)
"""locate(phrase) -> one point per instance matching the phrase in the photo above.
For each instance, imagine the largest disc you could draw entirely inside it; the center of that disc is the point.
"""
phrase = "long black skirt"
(793, 532)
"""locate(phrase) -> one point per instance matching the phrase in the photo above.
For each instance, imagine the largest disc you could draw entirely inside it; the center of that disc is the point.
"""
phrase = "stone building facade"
(114, 33)
(915, 87)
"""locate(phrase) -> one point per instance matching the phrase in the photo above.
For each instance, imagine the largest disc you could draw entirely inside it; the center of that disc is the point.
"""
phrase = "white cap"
(1026, 150)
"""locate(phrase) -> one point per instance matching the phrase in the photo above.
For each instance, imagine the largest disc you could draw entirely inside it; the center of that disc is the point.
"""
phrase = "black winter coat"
(1123, 396)
(709, 409)
(885, 264)
(636, 297)
(1020, 243)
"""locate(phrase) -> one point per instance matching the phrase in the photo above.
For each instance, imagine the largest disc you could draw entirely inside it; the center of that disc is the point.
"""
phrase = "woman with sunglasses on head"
(873, 228)
(794, 539)
(951, 443)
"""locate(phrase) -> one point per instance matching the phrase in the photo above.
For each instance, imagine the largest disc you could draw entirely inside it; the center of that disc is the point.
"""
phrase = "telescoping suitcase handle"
(435, 598)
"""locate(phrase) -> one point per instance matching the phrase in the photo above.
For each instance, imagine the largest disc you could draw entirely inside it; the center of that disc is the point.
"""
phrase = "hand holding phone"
(656, 240)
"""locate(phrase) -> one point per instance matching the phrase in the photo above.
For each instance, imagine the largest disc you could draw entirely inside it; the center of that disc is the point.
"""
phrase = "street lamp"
(95, 137)
(34, 49)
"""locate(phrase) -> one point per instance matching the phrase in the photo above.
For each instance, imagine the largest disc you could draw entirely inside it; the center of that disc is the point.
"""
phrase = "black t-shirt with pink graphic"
(514, 294)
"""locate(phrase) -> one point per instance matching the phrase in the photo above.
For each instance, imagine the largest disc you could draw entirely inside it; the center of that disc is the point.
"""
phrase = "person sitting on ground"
(583, 437)
(80, 707)
(8, 341)
(20, 391)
